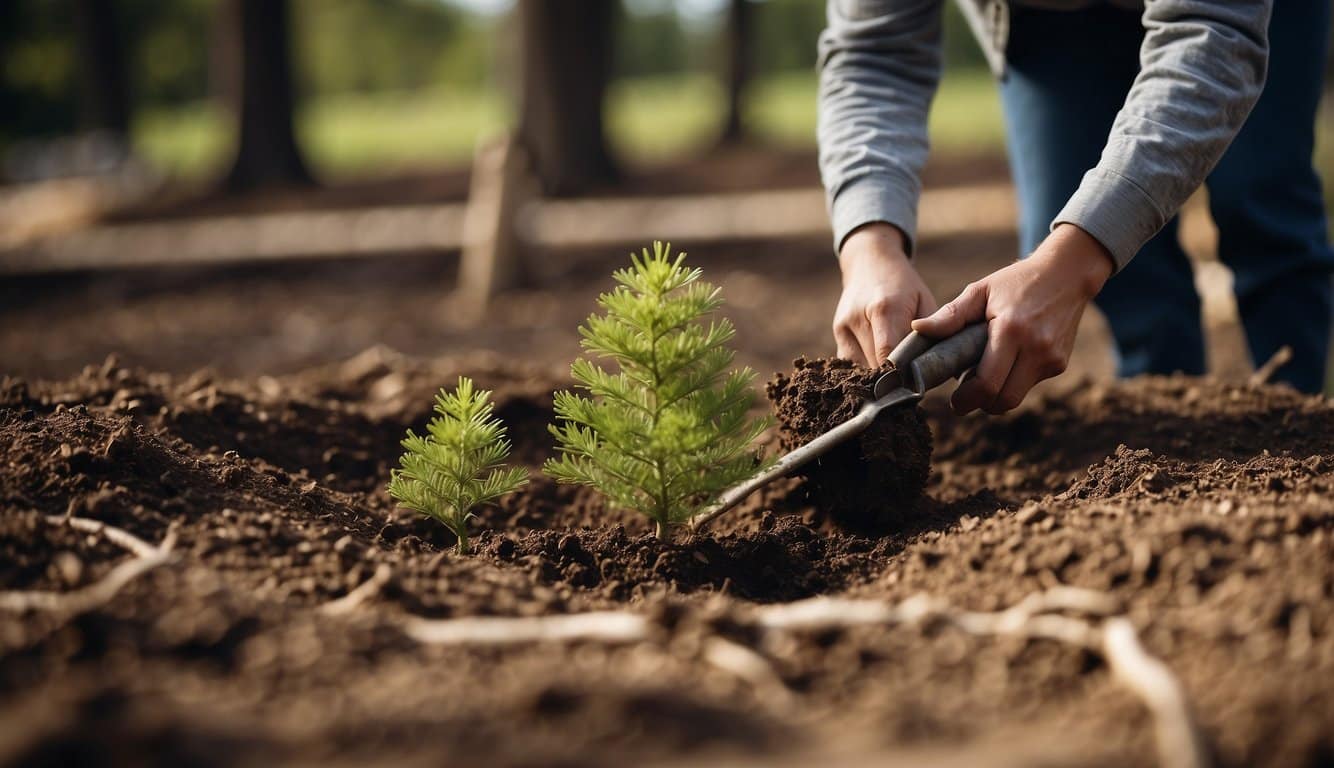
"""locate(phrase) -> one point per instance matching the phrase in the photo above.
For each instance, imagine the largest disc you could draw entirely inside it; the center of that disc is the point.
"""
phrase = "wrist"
(877, 242)
(1078, 255)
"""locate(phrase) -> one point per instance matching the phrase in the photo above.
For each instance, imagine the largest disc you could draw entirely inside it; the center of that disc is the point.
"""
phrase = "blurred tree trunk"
(104, 87)
(254, 50)
(1329, 63)
(565, 53)
(738, 68)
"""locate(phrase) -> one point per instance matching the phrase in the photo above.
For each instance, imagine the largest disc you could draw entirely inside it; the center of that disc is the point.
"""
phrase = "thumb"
(967, 307)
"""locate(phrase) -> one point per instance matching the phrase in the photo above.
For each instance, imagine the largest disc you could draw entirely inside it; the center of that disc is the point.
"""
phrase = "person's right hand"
(882, 295)
(1032, 310)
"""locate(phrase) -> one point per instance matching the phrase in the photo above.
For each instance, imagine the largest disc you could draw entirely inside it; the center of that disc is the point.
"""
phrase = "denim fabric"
(1067, 77)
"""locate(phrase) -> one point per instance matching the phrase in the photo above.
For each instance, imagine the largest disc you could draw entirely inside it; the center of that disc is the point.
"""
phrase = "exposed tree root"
(1080, 617)
(367, 590)
(146, 558)
(1041, 615)
(1179, 740)
(121, 538)
(749, 665)
(1266, 372)
(599, 626)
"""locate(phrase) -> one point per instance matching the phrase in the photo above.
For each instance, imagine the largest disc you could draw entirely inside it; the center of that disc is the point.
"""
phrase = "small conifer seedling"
(668, 429)
(459, 462)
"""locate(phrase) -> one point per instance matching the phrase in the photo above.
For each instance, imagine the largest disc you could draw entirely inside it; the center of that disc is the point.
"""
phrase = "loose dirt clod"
(872, 483)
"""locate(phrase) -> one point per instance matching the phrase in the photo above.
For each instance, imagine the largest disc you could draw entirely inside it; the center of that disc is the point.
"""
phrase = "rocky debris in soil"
(872, 483)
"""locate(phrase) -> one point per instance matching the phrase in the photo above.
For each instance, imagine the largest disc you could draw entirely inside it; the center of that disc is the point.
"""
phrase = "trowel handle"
(948, 358)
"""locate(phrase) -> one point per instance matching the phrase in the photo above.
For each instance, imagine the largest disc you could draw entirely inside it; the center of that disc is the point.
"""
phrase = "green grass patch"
(648, 119)
(965, 116)
(188, 142)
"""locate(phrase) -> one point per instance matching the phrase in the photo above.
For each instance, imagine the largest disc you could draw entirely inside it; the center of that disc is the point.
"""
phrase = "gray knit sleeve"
(879, 67)
(1202, 67)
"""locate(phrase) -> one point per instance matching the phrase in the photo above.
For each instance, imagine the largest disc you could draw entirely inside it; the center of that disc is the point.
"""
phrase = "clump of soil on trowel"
(871, 483)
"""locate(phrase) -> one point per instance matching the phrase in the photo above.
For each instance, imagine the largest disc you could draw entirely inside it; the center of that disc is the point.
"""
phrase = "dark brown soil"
(871, 484)
(1211, 524)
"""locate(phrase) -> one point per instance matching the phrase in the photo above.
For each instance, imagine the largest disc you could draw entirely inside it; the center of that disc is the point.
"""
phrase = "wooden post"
(492, 253)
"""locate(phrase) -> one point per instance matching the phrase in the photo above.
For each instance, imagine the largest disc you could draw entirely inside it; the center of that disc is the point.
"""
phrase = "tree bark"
(104, 89)
(738, 69)
(565, 65)
(255, 54)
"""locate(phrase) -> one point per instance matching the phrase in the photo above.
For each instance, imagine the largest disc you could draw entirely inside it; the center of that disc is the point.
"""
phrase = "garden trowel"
(920, 364)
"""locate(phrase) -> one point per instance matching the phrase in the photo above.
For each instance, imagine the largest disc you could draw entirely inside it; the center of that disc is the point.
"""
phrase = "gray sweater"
(1202, 67)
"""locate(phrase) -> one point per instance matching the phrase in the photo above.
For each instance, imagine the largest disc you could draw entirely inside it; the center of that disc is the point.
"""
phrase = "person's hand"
(1032, 309)
(882, 294)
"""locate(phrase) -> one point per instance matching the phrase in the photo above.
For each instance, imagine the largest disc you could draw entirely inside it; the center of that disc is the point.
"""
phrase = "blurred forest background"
(387, 85)
(384, 84)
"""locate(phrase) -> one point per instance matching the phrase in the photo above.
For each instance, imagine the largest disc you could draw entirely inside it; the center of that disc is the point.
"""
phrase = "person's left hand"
(1032, 309)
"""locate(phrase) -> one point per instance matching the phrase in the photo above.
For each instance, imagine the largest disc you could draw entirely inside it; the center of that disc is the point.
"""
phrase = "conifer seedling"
(458, 464)
(667, 430)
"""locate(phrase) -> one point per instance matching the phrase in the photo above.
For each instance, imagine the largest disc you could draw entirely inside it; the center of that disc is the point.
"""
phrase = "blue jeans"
(1068, 75)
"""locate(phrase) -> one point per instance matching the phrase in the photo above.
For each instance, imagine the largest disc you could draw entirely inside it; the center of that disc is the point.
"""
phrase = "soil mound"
(871, 484)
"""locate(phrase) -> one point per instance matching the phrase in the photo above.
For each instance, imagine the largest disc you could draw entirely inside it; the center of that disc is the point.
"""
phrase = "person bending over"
(1115, 113)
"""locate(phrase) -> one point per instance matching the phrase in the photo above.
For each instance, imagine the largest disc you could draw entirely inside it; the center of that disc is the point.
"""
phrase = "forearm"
(878, 72)
(1202, 67)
